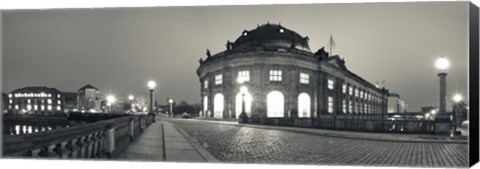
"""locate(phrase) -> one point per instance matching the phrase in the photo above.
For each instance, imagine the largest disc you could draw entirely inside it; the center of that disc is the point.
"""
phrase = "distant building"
(70, 100)
(88, 99)
(395, 104)
(35, 100)
(272, 69)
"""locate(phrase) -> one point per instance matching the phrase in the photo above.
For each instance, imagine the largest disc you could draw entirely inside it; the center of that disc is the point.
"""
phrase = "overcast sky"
(119, 50)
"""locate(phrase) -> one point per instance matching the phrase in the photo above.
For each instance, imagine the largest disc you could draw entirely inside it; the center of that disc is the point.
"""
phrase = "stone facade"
(283, 75)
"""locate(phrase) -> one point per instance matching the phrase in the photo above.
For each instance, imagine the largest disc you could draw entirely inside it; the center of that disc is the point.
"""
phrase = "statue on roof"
(200, 61)
(208, 53)
(229, 45)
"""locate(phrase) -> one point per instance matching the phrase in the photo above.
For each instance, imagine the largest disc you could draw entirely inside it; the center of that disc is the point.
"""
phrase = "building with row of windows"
(45, 100)
(281, 77)
(35, 100)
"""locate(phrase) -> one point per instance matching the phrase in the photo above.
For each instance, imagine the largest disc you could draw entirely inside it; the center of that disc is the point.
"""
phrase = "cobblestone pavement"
(239, 144)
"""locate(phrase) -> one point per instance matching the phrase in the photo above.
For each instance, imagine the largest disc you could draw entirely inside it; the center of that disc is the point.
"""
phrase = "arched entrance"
(275, 104)
(218, 105)
(304, 105)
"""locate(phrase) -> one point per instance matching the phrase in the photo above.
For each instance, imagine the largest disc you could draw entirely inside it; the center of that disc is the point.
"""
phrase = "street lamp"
(110, 100)
(130, 98)
(457, 98)
(151, 85)
(170, 101)
(442, 120)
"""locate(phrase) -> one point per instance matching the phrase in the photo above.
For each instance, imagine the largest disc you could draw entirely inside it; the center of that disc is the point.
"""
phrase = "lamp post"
(151, 85)
(110, 100)
(442, 120)
(243, 90)
(457, 98)
(170, 101)
(130, 98)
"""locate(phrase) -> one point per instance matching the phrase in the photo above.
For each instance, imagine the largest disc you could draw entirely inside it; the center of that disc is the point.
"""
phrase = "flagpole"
(331, 42)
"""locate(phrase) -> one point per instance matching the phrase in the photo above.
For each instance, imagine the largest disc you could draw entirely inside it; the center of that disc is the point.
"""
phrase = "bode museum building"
(273, 72)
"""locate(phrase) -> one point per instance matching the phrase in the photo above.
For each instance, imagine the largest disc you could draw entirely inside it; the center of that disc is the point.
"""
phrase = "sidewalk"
(420, 138)
(162, 141)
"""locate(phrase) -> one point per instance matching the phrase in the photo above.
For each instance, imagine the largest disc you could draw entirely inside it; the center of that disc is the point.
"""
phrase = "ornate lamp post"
(110, 100)
(442, 120)
(151, 85)
(457, 98)
(130, 98)
(170, 101)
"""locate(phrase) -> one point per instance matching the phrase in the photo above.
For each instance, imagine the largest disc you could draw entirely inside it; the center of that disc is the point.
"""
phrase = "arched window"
(238, 104)
(205, 105)
(275, 104)
(304, 105)
(218, 105)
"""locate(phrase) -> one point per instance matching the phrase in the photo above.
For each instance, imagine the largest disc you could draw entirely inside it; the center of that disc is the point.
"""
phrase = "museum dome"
(270, 36)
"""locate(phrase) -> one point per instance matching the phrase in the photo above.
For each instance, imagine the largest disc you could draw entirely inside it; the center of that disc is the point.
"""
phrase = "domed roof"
(272, 35)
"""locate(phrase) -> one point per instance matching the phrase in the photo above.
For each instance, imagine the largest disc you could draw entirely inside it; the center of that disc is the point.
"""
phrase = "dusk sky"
(118, 50)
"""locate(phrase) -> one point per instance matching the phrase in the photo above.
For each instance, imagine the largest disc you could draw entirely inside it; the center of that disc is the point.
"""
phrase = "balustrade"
(101, 139)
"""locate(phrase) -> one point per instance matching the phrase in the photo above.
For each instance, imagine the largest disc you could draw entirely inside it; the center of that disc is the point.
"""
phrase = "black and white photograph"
(383, 84)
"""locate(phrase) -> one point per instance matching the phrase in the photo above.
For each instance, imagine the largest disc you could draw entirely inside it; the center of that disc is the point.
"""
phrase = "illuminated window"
(304, 78)
(344, 88)
(350, 91)
(59, 102)
(58, 108)
(281, 30)
(35, 107)
(49, 107)
(49, 101)
(245, 33)
(330, 84)
(350, 106)
(16, 107)
(244, 76)
(275, 104)
(10, 101)
(365, 107)
(205, 84)
(356, 92)
(42, 107)
(29, 107)
(344, 106)
(330, 104)
(361, 94)
(218, 79)
(218, 105)
(304, 105)
(29, 101)
(10, 95)
(49, 95)
(58, 95)
(275, 75)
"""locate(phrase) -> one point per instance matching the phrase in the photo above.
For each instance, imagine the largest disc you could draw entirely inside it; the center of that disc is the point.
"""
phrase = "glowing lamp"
(151, 85)
(442, 63)
(457, 98)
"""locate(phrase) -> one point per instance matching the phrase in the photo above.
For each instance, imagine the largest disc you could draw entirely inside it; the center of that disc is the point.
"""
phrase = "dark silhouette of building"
(281, 77)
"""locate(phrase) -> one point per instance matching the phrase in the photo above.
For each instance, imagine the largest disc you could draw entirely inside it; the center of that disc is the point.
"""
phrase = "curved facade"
(282, 78)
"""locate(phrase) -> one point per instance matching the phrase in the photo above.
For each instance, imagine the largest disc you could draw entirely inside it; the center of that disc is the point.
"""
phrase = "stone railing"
(350, 124)
(102, 139)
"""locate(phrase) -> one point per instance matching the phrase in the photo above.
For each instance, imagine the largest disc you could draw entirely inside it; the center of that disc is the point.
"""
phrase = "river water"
(25, 128)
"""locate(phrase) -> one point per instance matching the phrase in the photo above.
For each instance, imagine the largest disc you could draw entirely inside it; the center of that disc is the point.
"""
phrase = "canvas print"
(357, 84)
